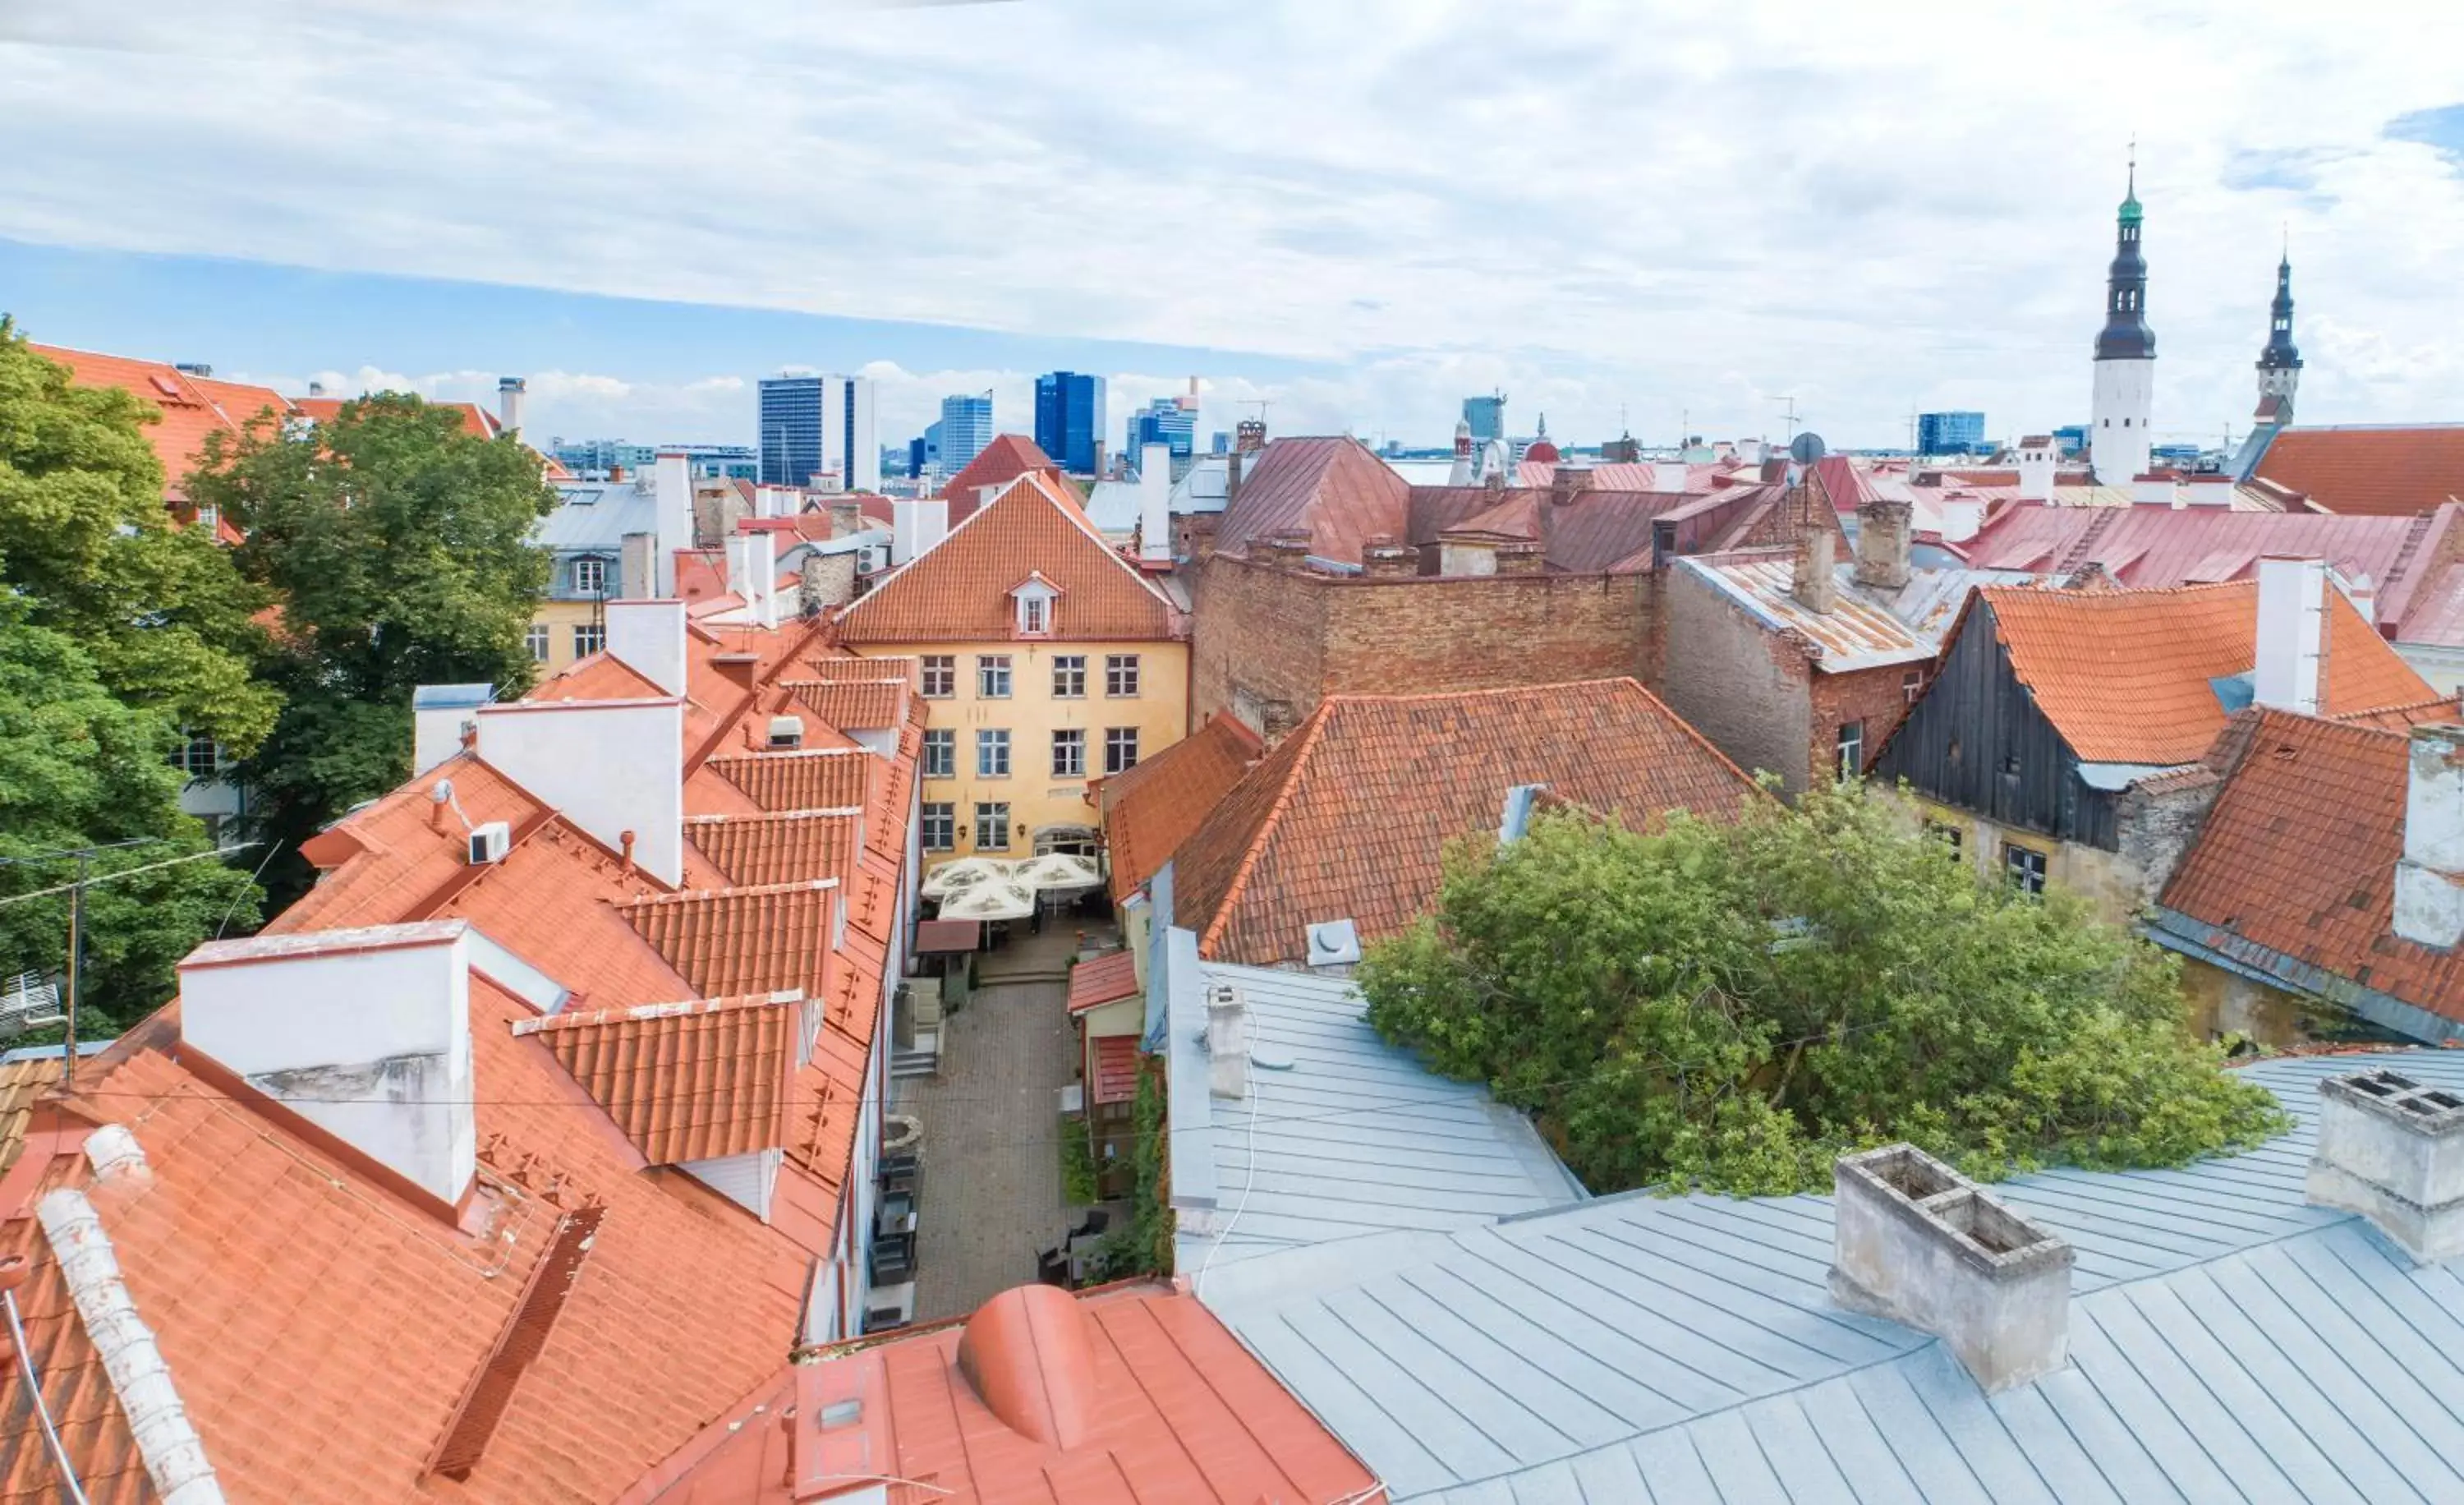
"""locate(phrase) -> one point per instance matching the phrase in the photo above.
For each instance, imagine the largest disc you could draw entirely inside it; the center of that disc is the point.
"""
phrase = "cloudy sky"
(1358, 211)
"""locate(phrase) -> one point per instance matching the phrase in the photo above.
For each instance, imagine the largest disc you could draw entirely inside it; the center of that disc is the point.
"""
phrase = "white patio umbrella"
(999, 899)
(1057, 871)
(954, 877)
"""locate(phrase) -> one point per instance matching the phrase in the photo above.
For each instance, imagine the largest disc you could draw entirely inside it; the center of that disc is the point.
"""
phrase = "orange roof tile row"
(1150, 811)
(853, 705)
(791, 846)
(1102, 980)
(1349, 818)
(741, 940)
(1007, 457)
(685, 1081)
(825, 780)
(2392, 470)
(1117, 1069)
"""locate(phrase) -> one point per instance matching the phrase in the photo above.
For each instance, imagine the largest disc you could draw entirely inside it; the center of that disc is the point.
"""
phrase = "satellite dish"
(1806, 447)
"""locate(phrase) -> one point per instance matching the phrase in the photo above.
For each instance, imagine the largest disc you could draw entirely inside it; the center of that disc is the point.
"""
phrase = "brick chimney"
(1285, 550)
(1522, 556)
(1383, 558)
(845, 518)
(1568, 481)
(1816, 586)
(1883, 528)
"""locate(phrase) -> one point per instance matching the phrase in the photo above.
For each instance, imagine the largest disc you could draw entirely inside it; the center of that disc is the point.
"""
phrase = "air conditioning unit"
(489, 843)
(785, 732)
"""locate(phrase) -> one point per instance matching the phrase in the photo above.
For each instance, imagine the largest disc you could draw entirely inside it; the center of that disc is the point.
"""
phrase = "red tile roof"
(827, 780)
(853, 705)
(1150, 811)
(685, 1081)
(742, 940)
(1102, 980)
(2298, 853)
(1117, 1069)
(959, 589)
(1123, 1396)
(2124, 676)
(1005, 459)
(1334, 490)
(191, 407)
(2392, 470)
(789, 847)
(1350, 815)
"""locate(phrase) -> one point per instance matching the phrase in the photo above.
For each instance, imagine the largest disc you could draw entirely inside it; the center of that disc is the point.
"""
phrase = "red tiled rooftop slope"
(2298, 855)
(828, 780)
(2389, 470)
(791, 846)
(190, 407)
(1350, 818)
(2124, 676)
(685, 1081)
(322, 1333)
(742, 940)
(959, 589)
(1151, 809)
(1009, 456)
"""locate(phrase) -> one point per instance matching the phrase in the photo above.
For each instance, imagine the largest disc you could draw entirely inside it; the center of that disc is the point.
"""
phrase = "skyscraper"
(1070, 419)
(1163, 421)
(2123, 396)
(966, 427)
(1958, 432)
(811, 425)
(1486, 416)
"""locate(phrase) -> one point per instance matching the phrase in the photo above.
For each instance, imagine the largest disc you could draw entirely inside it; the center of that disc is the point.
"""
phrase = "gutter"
(2248, 959)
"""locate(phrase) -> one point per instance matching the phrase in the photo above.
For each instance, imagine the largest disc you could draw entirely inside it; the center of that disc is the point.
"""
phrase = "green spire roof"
(2130, 213)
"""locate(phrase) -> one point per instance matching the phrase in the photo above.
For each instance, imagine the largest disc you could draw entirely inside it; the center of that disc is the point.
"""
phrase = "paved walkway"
(992, 1124)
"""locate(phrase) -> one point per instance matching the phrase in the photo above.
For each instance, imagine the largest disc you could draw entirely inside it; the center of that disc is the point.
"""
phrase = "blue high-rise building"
(1070, 419)
(1163, 421)
(966, 427)
(1486, 416)
(813, 424)
(1951, 433)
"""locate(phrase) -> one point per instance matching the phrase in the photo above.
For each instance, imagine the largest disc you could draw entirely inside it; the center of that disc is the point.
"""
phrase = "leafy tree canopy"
(88, 547)
(1732, 1007)
(399, 546)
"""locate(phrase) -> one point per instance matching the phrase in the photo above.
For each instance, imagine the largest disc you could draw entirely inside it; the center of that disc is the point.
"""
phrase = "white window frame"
(589, 577)
(1848, 748)
(1121, 677)
(991, 815)
(992, 670)
(588, 638)
(944, 813)
(538, 638)
(1072, 739)
(2024, 867)
(940, 754)
(1120, 749)
(942, 669)
(992, 745)
(1074, 665)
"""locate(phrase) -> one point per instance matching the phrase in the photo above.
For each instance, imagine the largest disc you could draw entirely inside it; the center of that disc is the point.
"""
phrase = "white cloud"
(1699, 209)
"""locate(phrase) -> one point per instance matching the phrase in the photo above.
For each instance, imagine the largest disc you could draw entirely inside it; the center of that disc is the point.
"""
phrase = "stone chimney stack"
(1571, 479)
(2429, 877)
(1249, 436)
(512, 391)
(2391, 1149)
(1383, 558)
(1815, 588)
(1521, 557)
(1883, 528)
(1286, 550)
(847, 518)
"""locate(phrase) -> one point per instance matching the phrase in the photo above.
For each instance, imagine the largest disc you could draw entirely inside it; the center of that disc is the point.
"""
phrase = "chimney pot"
(2429, 877)
(625, 840)
(2391, 1149)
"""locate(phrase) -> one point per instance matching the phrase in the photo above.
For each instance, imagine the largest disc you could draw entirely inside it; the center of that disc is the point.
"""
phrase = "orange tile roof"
(2298, 853)
(1350, 815)
(852, 705)
(685, 1081)
(2124, 676)
(959, 589)
(600, 676)
(1117, 1069)
(1102, 980)
(1130, 1394)
(785, 846)
(742, 940)
(322, 1333)
(2389, 470)
(1007, 457)
(1150, 811)
(826, 780)
(22, 1083)
(190, 407)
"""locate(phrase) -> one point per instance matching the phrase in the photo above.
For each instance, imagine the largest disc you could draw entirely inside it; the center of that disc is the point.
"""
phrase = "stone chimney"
(1249, 436)
(2429, 877)
(1815, 588)
(1276, 720)
(1522, 556)
(1882, 529)
(1383, 558)
(1227, 1042)
(1569, 479)
(1918, 1243)
(2391, 1149)
(2292, 633)
(847, 518)
(1285, 550)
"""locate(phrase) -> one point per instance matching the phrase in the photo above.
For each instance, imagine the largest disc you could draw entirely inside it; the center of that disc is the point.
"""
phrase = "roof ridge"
(746, 817)
(736, 891)
(1358, 697)
(649, 1013)
(1306, 740)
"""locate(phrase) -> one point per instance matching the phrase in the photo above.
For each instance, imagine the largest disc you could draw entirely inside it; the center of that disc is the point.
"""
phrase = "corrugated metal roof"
(1342, 1135)
(2228, 1342)
(1855, 634)
(595, 516)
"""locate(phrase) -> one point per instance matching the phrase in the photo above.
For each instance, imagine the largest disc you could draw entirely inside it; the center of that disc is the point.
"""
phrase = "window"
(1848, 747)
(1120, 674)
(588, 638)
(992, 827)
(1069, 676)
(1070, 754)
(1943, 833)
(1120, 749)
(940, 675)
(590, 577)
(210, 517)
(198, 757)
(940, 826)
(2024, 867)
(2009, 765)
(991, 675)
(1035, 610)
(537, 639)
(992, 754)
(941, 754)
(1912, 685)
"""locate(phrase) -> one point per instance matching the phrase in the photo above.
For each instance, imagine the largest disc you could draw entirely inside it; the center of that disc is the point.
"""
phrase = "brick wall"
(1878, 698)
(1259, 635)
(1742, 686)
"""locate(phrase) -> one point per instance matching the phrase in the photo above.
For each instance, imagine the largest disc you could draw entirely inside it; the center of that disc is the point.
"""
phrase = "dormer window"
(1036, 600)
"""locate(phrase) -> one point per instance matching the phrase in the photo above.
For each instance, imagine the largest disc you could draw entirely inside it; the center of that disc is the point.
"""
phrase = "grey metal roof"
(1341, 1135)
(593, 516)
(2228, 1343)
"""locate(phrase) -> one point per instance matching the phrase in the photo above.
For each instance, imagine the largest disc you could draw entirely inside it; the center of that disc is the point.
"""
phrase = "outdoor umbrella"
(1000, 899)
(957, 877)
(1057, 870)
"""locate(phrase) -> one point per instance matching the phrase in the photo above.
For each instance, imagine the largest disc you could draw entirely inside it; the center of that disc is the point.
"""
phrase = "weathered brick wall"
(1877, 696)
(1743, 687)
(1258, 634)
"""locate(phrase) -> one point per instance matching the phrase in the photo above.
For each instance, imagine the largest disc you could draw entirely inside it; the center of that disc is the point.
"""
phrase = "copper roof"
(1857, 632)
(2391, 470)
(1332, 488)
(1152, 809)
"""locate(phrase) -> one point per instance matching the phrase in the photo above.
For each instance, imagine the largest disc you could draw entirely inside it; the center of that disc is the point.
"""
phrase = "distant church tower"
(2125, 358)
(2279, 365)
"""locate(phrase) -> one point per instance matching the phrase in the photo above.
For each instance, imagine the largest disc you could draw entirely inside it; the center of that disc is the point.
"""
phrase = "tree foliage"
(399, 546)
(1734, 1007)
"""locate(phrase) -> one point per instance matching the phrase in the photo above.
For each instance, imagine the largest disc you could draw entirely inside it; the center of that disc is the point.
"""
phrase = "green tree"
(81, 768)
(400, 548)
(1733, 1006)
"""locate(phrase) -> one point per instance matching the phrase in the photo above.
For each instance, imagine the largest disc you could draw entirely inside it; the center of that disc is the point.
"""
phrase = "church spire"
(2126, 336)
(2279, 360)
(2124, 387)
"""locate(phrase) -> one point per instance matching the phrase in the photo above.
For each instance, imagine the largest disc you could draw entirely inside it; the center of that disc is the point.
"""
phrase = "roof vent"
(786, 733)
(1028, 1355)
(489, 842)
(1334, 943)
(2393, 1150)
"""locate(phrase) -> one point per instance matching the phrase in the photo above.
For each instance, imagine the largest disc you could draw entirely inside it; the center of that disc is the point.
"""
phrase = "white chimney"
(2292, 617)
(365, 1033)
(672, 489)
(1227, 1042)
(615, 768)
(2429, 877)
(439, 715)
(771, 501)
(1749, 450)
(2362, 593)
(1155, 504)
(2154, 491)
(2039, 457)
(915, 524)
(753, 573)
(1962, 516)
(2208, 491)
(2393, 1150)
(1669, 475)
(1919, 1243)
(510, 394)
(648, 639)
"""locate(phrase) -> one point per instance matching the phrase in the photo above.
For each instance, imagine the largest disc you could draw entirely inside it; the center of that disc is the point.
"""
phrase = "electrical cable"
(42, 1411)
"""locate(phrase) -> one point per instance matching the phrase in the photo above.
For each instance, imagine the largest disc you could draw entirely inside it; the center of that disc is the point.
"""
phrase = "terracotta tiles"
(685, 1081)
(742, 940)
(2126, 676)
(791, 846)
(2391, 472)
(190, 408)
(1150, 811)
(1007, 457)
(959, 589)
(1349, 818)
(601, 676)
(21, 1083)
(2298, 855)
(852, 705)
(827, 780)
(1102, 980)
